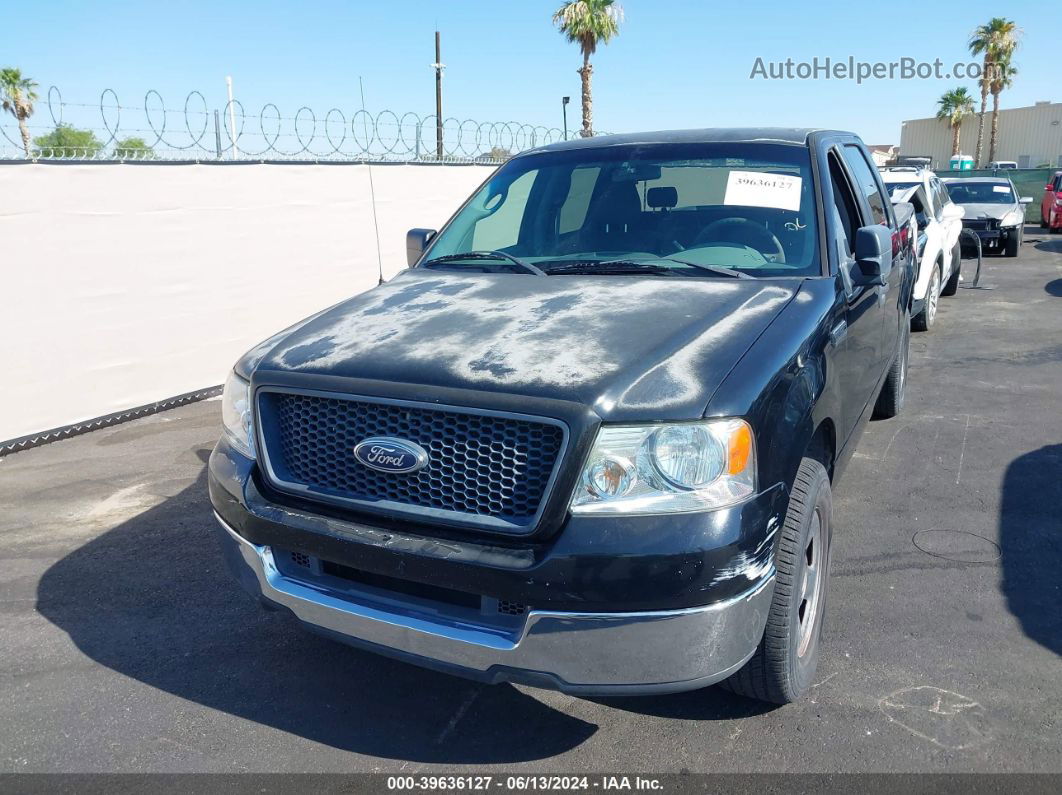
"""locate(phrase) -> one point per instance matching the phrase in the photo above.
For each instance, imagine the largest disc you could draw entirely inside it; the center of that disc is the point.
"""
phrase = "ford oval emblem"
(396, 456)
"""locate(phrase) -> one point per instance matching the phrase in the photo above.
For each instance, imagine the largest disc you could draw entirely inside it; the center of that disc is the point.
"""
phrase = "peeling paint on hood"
(622, 344)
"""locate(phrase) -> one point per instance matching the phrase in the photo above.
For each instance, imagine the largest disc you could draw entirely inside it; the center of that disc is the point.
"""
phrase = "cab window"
(866, 183)
(844, 210)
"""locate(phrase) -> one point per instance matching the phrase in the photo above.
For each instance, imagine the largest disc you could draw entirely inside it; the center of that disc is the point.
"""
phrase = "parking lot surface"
(127, 647)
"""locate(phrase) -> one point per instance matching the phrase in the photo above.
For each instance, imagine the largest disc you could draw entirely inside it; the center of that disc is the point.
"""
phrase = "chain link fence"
(110, 130)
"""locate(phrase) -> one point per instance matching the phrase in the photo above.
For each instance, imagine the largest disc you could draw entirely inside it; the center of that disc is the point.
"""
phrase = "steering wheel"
(745, 232)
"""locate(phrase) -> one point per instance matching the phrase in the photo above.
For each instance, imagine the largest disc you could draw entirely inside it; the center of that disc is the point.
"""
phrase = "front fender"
(786, 383)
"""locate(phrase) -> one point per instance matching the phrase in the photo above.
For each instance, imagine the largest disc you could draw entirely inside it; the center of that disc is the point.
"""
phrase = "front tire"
(783, 666)
(1013, 244)
(925, 319)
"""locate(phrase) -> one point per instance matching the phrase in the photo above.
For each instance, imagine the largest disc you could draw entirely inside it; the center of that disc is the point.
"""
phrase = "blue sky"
(676, 63)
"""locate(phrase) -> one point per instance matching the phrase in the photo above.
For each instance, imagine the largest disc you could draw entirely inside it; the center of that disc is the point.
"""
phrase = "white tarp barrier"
(123, 285)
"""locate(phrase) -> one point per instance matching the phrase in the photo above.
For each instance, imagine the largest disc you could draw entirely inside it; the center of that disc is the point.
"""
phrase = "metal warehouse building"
(1031, 136)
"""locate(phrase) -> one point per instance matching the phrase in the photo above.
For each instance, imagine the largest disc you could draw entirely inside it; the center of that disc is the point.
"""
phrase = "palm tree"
(953, 107)
(18, 94)
(586, 23)
(1002, 79)
(995, 39)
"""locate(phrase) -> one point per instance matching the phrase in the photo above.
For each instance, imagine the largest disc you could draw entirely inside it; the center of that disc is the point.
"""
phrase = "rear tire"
(783, 666)
(925, 319)
(890, 401)
(952, 285)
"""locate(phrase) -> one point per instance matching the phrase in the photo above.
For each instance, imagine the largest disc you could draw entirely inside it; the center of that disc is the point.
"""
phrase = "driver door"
(859, 347)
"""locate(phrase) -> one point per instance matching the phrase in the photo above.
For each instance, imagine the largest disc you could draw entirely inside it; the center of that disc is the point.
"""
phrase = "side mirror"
(873, 255)
(953, 212)
(416, 241)
(1025, 200)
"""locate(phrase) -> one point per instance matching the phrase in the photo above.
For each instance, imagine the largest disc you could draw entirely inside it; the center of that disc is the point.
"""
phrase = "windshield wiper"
(474, 255)
(717, 269)
(609, 267)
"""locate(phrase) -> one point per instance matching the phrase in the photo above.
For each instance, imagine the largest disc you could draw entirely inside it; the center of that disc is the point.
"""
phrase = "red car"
(1051, 206)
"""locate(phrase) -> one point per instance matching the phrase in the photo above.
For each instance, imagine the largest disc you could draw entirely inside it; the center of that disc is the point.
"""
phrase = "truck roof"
(786, 135)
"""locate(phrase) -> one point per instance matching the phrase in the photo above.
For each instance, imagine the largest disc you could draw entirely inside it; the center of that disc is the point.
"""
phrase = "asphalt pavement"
(126, 646)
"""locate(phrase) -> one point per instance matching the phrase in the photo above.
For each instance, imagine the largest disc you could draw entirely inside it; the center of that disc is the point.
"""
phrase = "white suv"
(940, 221)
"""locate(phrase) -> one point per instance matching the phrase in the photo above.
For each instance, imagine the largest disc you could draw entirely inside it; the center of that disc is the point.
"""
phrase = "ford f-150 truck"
(587, 441)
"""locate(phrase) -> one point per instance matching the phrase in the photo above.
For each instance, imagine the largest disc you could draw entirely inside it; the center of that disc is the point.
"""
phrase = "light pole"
(564, 110)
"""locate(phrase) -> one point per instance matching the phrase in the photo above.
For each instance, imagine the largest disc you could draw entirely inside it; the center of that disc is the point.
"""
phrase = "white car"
(940, 221)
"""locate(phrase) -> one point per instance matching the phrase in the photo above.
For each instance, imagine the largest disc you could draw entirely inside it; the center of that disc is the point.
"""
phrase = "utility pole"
(438, 66)
(564, 110)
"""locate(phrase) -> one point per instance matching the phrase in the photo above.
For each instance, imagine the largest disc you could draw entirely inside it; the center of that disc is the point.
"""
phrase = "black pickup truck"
(587, 441)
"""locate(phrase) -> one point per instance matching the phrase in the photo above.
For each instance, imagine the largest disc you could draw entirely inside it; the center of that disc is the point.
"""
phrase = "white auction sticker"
(760, 189)
(1000, 189)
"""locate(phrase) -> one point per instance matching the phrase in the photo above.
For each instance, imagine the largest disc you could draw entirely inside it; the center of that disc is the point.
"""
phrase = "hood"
(628, 347)
(997, 211)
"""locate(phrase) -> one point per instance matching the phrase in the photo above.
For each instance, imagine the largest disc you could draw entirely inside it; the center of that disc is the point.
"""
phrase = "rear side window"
(866, 183)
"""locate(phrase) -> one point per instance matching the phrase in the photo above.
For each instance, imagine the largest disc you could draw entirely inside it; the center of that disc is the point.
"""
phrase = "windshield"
(688, 210)
(981, 193)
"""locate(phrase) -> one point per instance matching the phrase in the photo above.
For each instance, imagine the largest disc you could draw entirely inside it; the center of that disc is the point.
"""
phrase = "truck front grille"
(483, 468)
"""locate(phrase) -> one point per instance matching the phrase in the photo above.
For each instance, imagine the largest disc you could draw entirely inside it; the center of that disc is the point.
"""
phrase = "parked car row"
(938, 253)
(588, 440)
(988, 207)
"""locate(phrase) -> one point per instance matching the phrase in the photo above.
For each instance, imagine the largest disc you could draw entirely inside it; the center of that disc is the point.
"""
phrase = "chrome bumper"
(584, 653)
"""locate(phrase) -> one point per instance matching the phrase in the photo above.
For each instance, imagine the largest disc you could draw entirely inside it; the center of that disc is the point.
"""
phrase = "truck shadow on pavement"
(1030, 532)
(152, 599)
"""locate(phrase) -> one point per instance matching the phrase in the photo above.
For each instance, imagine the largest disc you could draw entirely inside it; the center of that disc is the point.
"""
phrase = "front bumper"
(991, 239)
(577, 652)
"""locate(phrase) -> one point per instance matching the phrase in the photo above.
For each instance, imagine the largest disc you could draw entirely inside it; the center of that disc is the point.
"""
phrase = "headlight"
(1013, 219)
(236, 414)
(680, 467)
